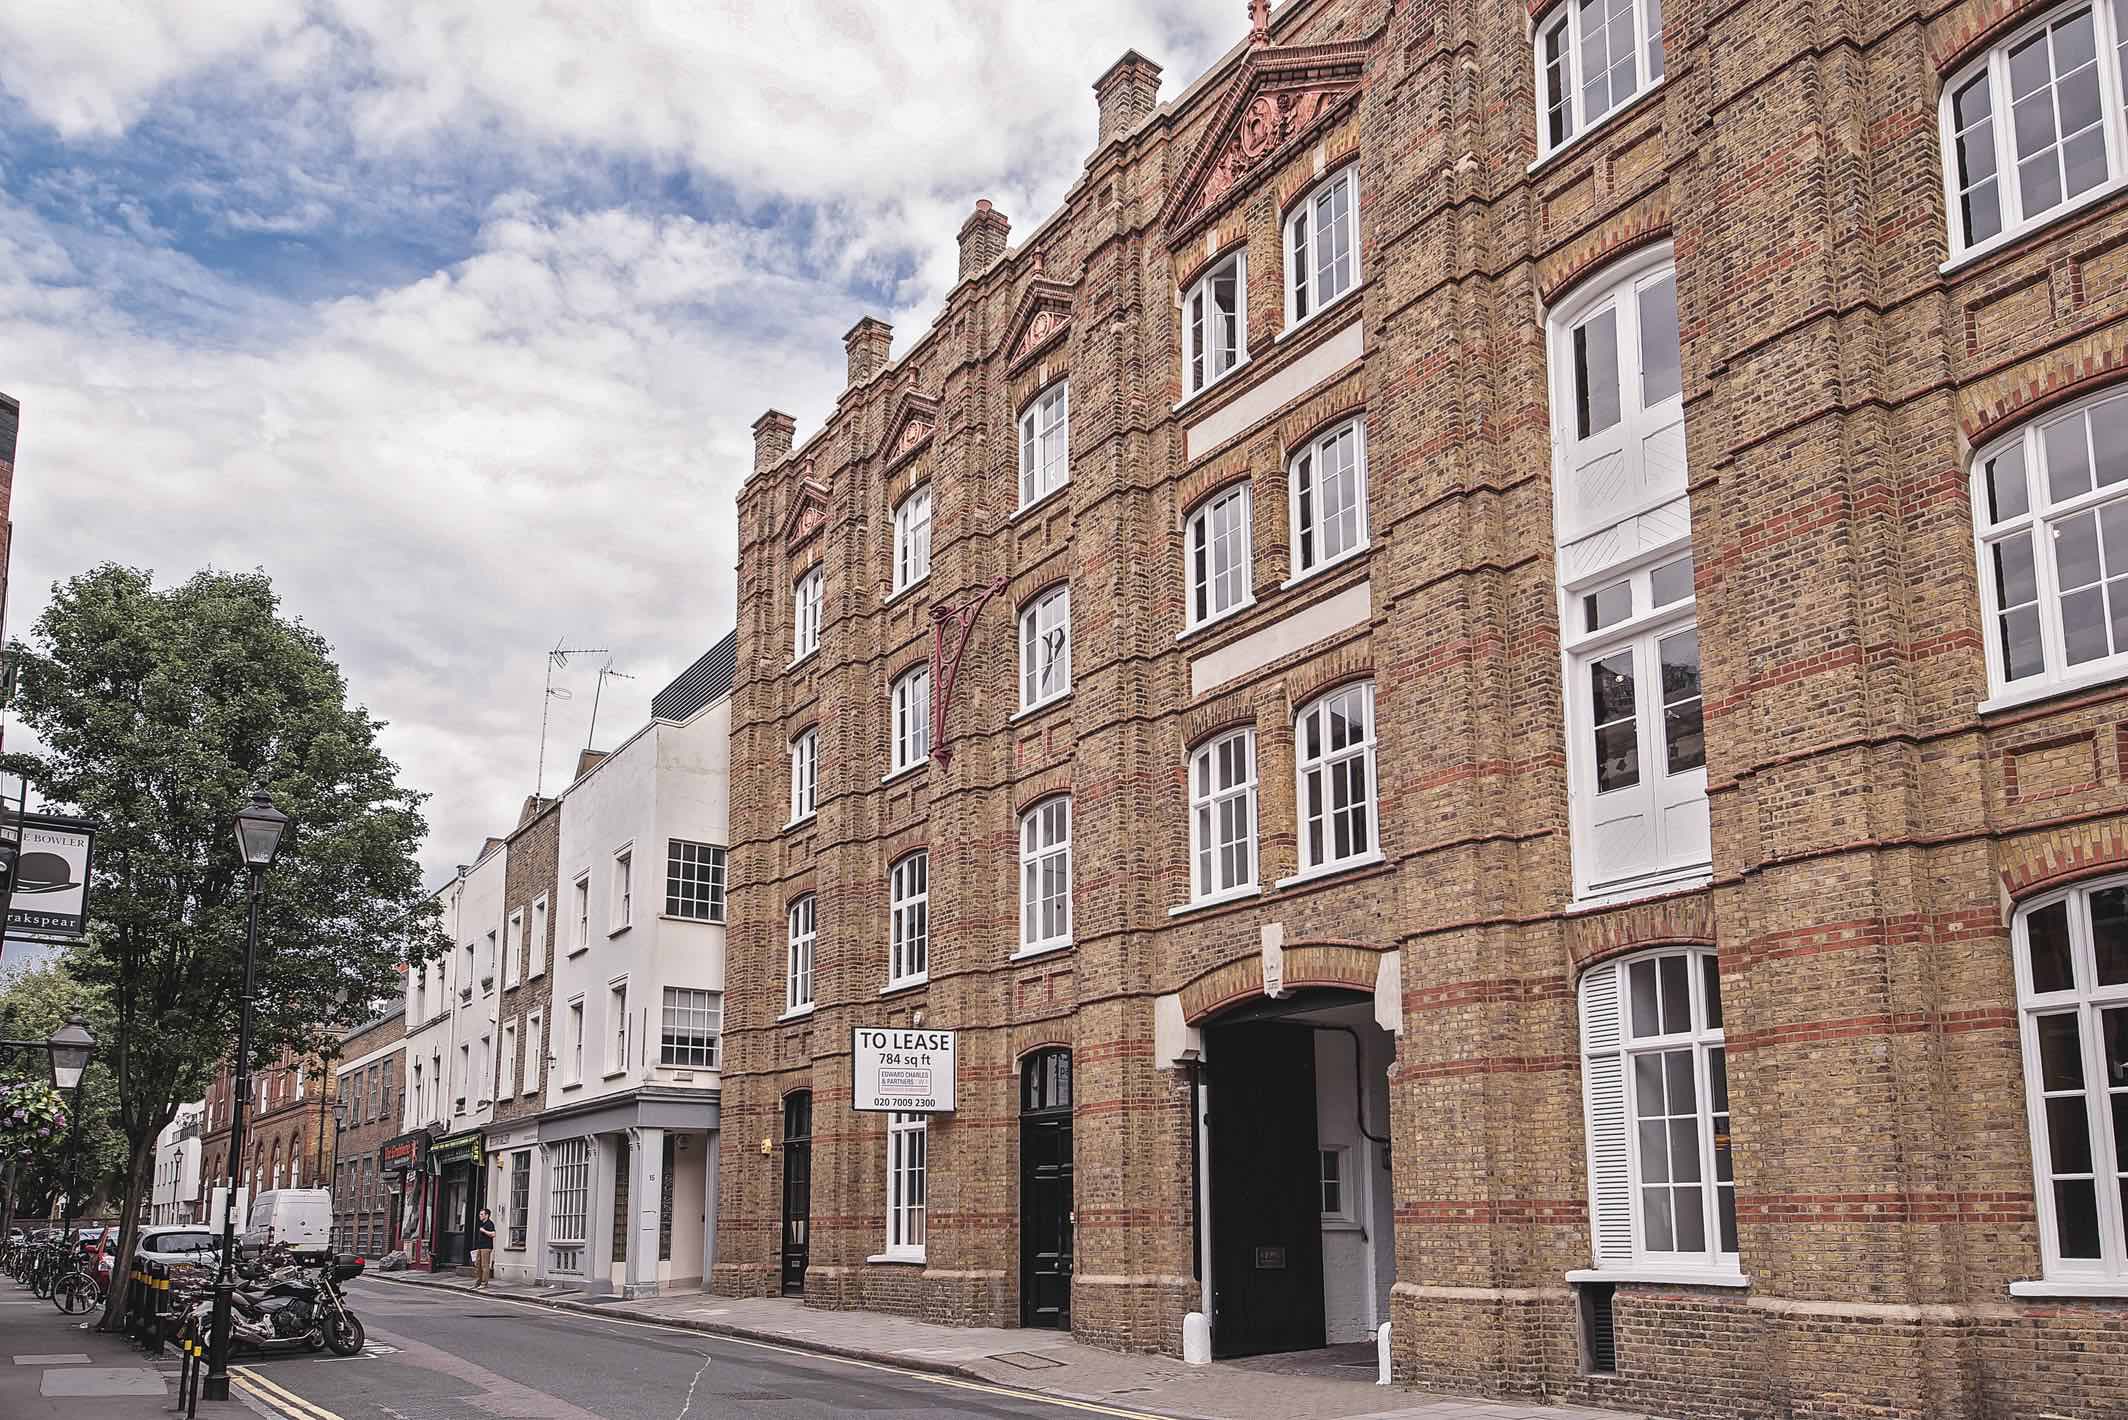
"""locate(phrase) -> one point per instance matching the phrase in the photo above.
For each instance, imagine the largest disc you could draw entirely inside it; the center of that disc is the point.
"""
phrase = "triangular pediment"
(1039, 321)
(1275, 105)
(910, 426)
(809, 510)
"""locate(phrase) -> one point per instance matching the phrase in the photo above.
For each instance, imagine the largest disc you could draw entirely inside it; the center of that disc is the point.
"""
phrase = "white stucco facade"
(175, 1197)
(630, 1100)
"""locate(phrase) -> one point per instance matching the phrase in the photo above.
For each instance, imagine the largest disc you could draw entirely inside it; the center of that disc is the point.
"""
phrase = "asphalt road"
(437, 1355)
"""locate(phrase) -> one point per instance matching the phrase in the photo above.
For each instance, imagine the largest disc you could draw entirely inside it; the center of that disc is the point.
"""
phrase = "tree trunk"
(140, 1163)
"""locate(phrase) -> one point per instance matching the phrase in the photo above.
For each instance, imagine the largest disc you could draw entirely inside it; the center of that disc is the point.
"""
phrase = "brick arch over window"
(1351, 966)
(1974, 27)
(1990, 407)
(1684, 920)
(1310, 683)
(2048, 860)
(1643, 224)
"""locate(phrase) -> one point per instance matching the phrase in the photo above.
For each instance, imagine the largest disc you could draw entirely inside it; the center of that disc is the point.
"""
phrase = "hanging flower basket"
(33, 1120)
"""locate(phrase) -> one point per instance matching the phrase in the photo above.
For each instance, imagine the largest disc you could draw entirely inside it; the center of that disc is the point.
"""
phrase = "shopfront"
(404, 1162)
(459, 1164)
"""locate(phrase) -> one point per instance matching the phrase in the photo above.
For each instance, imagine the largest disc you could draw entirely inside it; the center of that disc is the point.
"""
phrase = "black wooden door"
(1045, 1190)
(797, 1188)
(1267, 1242)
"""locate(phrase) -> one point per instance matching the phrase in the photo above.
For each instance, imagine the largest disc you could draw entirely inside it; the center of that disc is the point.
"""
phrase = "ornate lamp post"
(71, 1046)
(259, 829)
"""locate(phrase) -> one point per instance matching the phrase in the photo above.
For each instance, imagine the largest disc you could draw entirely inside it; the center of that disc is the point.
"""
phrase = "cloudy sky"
(454, 315)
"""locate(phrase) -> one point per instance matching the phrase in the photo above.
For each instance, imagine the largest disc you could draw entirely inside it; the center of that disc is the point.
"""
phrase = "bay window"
(2050, 512)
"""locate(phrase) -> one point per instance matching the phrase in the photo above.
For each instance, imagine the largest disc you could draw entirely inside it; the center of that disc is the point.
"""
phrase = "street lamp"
(259, 830)
(70, 1047)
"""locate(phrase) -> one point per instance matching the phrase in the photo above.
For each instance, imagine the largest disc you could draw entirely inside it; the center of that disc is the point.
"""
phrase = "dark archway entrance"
(1299, 1205)
(1046, 1210)
(797, 1188)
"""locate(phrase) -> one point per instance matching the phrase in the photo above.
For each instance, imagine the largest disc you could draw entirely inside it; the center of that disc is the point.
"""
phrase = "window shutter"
(1604, 1092)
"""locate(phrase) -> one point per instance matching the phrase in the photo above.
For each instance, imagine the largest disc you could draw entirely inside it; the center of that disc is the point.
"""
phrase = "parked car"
(178, 1245)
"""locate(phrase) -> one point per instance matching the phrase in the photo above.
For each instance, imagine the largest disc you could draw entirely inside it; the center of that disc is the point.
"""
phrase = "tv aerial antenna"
(606, 672)
(558, 659)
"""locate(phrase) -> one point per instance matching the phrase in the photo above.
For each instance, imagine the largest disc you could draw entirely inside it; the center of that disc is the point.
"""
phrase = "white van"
(300, 1217)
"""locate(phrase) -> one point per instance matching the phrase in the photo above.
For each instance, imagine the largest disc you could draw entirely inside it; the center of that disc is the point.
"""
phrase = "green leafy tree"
(33, 1004)
(158, 711)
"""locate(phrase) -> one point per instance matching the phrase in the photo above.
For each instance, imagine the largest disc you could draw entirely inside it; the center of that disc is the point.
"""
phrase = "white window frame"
(912, 539)
(908, 1185)
(622, 907)
(1215, 589)
(617, 1028)
(1345, 1215)
(506, 1064)
(1045, 443)
(1620, 1171)
(1210, 798)
(803, 921)
(2088, 1001)
(582, 885)
(805, 776)
(1649, 67)
(1317, 775)
(691, 1028)
(513, 970)
(695, 877)
(1303, 236)
(575, 1074)
(1994, 67)
(1304, 488)
(909, 920)
(535, 1050)
(1045, 648)
(1201, 365)
(536, 949)
(910, 705)
(2040, 527)
(569, 1192)
(807, 595)
(1041, 845)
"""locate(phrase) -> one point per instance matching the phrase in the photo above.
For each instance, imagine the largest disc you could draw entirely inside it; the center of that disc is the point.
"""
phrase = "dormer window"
(1215, 323)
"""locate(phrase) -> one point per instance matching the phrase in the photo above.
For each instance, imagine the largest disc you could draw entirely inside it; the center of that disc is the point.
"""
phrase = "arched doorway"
(1046, 1211)
(1301, 1249)
(797, 1188)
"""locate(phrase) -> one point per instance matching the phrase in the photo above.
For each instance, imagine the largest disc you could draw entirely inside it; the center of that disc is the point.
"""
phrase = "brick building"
(516, 1165)
(368, 1078)
(288, 1140)
(1518, 764)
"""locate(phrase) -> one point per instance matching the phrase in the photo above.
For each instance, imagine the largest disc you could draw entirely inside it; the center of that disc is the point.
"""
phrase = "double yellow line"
(280, 1396)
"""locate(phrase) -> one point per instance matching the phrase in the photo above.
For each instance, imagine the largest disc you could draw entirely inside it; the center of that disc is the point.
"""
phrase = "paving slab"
(54, 1358)
(102, 1381)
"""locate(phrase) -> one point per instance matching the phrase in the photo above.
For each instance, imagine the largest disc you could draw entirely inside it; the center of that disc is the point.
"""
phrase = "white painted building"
(424, 1101)
(175, 1197)
(631, 1117)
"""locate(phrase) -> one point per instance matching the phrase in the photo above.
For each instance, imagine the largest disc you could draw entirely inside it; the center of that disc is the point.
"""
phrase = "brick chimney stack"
(866, 345)
(1127, 93)
(982, 238)
(772, 439)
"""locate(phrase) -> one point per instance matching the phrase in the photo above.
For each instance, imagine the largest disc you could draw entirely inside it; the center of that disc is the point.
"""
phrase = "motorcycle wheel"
(343, 1333)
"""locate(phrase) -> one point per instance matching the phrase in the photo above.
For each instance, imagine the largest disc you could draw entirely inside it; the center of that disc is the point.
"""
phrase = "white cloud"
(540, 434)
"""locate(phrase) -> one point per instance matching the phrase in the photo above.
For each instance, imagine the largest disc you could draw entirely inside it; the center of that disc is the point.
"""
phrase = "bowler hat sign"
(51, 898)
(902, 1071)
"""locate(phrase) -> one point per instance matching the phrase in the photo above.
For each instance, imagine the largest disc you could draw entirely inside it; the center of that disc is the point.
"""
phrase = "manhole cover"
(1027, 1360)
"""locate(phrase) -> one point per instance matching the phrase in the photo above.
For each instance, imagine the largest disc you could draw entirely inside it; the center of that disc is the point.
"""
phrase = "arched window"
(2034, 127)
(798, 973)
(911, 709)
(806, 598)
(1215, 323)
(2072, 997)
(1655, 1080)
(1333, 751)
(805, 775)
(1593, 55)
(1323, 246)
(1635, 742)
(2050, 512)
(1045, 875)
(1223, 815)
(1217, 555)
(909, 898)
(1045, 648)
(1045, 443)
(1045, 1082)
(1327, 491)
(912, 539)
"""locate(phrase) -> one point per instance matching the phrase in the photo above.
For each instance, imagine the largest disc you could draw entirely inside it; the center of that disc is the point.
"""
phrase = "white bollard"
(1381, 1355)
(1196, 1339)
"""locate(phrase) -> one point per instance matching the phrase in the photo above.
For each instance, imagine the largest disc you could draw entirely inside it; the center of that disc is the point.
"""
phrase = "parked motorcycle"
(289, 1304)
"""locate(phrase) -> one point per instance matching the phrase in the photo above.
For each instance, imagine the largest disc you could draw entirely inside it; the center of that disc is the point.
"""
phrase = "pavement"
(55, 1367)
(754, 1352)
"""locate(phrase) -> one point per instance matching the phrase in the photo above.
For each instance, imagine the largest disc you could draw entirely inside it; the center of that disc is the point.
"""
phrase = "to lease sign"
(902, 1071)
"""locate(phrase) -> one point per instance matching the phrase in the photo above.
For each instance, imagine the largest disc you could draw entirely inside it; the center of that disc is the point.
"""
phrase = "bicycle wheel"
(74, 1293)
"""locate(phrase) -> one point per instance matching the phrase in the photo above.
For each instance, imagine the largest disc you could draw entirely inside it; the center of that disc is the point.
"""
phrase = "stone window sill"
(1655, 1272)
(2096, 1287)
(1045, 949)
(796, 1013)
(1222, 899)
(915, 1259)
(1330, 870)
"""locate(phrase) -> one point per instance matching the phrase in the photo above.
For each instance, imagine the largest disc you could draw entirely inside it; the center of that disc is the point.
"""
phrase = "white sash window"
(1323, 247)
(1215, 324)
(912, 718)
(1329, 498)
(912, 539)
(798, 971)
(1593, 55)
(805, 614)
(1223, 815)
(909, 896)
(805, 775)
(908, 1167)
(1045, 443)
(1045, 649)
(1045, 875)
(1221, 578)
(1334, 753)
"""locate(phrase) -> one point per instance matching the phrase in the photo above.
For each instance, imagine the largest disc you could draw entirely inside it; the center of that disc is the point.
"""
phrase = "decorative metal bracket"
(959, 623)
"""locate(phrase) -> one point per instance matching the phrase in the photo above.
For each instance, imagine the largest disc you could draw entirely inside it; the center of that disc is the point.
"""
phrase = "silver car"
(179, 1244)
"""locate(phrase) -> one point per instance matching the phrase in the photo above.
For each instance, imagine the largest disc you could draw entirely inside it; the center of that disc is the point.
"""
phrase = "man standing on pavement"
(484, 1250)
